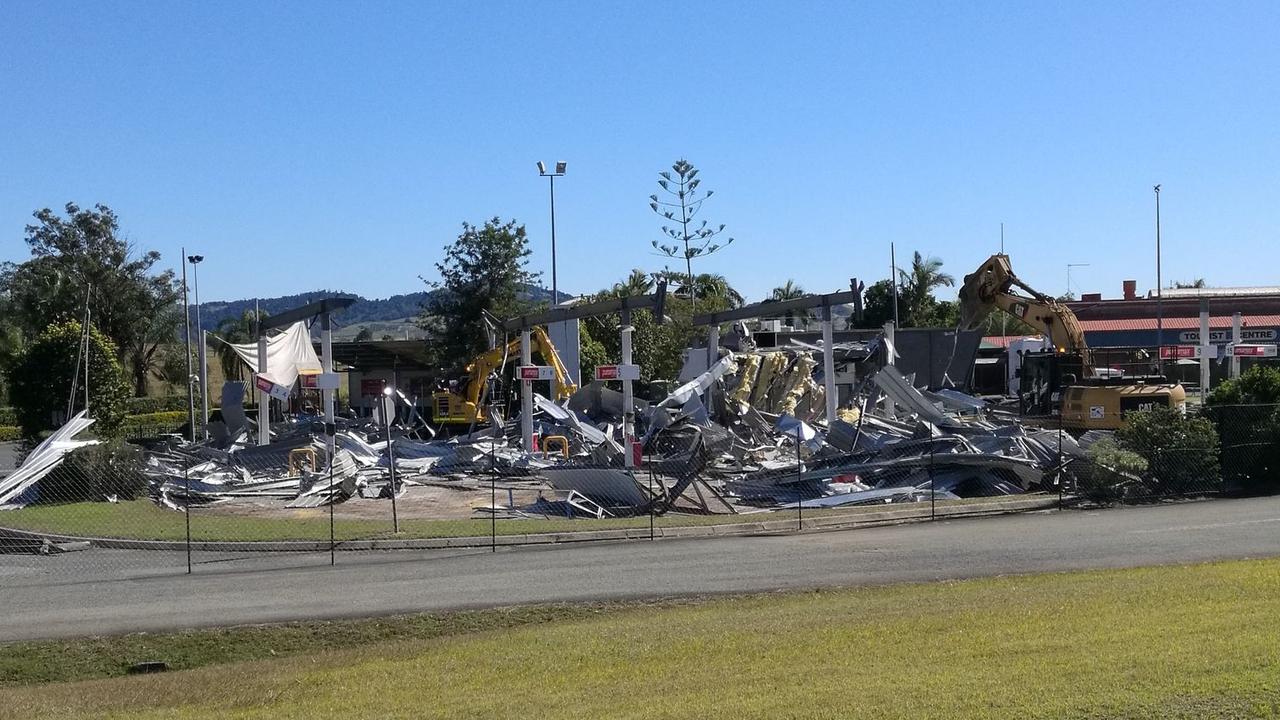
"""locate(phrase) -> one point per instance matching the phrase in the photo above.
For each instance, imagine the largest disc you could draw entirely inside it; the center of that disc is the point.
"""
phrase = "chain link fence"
(159, 505)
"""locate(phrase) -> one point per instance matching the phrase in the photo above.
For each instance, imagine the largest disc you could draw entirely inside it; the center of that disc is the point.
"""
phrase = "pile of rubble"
(747, 434)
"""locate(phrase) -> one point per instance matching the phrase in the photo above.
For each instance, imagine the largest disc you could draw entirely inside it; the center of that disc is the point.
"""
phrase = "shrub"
(1181, 451)
(1109, 471)
(96, 472)
(160, 403)
(9, 433)
(1259, 384)
(156, 423)
(8, 416)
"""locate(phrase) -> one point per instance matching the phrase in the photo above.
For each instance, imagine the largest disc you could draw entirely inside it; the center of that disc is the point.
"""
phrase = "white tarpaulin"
(289, 355)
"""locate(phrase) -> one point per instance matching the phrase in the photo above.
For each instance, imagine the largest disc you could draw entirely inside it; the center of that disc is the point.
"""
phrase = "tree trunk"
(139, 367)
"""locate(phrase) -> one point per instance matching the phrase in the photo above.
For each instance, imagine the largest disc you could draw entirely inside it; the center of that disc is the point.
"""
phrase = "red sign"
(617, 372)
(263, 384)
(607, 372)
(536, 372)
(1178, 352)
(1253, 350)
(371, 386)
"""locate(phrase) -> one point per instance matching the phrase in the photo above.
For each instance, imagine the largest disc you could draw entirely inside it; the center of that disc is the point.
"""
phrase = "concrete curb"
(863, 519)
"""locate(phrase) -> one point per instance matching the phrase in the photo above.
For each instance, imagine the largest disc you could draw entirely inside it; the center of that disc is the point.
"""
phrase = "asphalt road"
(73, 594)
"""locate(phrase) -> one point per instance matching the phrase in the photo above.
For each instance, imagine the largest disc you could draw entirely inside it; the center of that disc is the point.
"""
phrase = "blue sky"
(340, 145)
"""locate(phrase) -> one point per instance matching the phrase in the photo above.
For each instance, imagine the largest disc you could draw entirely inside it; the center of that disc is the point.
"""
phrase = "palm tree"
(237, 331)
(707, 286)
(790, 290)
(638, 282)
(918, 284)
(787, 291)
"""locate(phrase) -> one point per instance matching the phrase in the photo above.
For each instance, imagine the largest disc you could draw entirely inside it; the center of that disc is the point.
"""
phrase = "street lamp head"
(560, 167)
(1157, 189)
(387, 390)
(542, 168)
(195, 259)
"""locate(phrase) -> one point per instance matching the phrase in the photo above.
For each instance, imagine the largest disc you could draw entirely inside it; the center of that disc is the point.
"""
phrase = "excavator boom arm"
(990, 288)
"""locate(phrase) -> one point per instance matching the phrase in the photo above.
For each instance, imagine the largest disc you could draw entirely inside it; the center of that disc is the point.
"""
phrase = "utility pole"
(1159, 291)
(893, 279)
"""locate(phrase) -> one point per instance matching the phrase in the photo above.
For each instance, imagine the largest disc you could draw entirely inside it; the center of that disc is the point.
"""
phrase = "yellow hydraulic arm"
(989, 288)
(466, 407)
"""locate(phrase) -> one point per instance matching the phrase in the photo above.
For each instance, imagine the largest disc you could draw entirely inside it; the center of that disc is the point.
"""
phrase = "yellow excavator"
(1089, 400)
(463, 404)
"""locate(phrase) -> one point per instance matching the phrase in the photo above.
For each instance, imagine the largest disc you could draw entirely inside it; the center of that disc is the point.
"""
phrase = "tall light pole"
(186, 318)
(559, 172)
(195, 261)
(1159, 291)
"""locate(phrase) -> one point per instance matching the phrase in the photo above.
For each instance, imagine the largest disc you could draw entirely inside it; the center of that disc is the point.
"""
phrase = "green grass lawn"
(143, 520)
(1176, 642)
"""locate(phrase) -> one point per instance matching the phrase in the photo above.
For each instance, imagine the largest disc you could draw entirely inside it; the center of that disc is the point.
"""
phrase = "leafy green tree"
(877, 304)
(691, 236)
(484, 270)
(364, 335)
(137, 308)
(42, 379)
(1197, 283)
(657, 348)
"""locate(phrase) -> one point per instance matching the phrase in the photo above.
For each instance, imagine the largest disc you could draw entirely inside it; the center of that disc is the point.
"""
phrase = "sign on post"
(536, 372)
(279, 392)
(617, 372)
(1253, 350)
(1184, 352)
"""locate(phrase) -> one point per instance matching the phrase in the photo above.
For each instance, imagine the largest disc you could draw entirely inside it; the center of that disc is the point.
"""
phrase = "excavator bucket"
(977, 295)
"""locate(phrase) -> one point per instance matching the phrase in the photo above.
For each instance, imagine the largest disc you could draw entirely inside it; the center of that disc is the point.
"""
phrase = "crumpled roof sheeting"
(43, 459)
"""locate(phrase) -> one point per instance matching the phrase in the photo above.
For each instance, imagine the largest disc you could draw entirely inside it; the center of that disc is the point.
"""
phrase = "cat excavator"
(463, 402)
(1089, 399)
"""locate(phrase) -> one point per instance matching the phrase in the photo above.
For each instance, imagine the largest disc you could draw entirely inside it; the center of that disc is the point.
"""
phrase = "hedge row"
(10, 433)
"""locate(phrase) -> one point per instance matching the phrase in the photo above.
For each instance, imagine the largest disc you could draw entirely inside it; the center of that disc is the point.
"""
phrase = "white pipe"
(526, 394)
(1205, 349)
(1236, 332)
(628, 401)
(829, 364)
(204, 383)
(264, 400)
(326, 366)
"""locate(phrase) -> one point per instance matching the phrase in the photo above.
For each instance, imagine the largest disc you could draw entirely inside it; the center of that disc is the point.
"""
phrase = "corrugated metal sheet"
(1177, 323)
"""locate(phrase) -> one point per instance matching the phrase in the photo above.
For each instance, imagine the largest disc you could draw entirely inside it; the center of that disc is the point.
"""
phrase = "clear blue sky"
(340, 145)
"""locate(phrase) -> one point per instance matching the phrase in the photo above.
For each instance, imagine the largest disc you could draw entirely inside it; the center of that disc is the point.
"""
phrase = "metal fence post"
(652, 504)
(333, 558)
(799, 476)
(186, 510)
(493, 496)
(933, 503)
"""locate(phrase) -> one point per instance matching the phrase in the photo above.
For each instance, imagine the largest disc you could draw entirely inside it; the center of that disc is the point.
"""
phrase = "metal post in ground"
(333, 545)
(933, 502)
(186, 476)
(1058, 472)
(799, 474)
(493, 494)
(391, 461)
(651, 496)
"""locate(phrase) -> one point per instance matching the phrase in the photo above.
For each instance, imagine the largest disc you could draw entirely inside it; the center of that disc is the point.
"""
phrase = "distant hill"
(393, 316)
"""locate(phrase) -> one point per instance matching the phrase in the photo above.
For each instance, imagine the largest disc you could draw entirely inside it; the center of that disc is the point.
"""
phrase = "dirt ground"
(438, 501)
